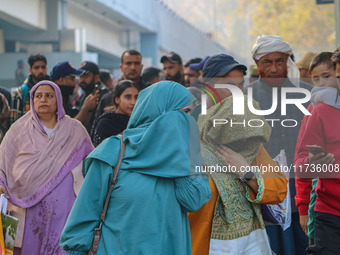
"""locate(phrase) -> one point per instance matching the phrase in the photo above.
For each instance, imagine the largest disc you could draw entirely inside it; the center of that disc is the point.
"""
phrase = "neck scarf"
(266, 44)
(31, 164)
(234, 215)
(161, 140)
(326, 95)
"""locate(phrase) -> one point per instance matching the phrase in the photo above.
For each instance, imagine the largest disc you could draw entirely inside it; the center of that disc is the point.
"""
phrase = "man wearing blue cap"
(64, 75)
(222, 69)
(198, 67)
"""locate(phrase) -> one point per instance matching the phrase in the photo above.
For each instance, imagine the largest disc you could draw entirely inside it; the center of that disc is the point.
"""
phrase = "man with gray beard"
(277, 70)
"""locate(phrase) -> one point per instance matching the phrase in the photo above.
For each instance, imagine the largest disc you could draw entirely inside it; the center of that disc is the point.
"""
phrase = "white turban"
(266, 44)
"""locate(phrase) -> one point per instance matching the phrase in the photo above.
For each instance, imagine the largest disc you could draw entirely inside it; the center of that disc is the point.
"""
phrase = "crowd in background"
(53, 121)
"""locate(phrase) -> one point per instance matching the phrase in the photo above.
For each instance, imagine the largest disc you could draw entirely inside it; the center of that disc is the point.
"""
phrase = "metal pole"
(337, 22)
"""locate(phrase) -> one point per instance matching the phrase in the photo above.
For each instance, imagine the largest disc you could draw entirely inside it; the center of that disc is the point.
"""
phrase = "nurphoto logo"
(238, 104)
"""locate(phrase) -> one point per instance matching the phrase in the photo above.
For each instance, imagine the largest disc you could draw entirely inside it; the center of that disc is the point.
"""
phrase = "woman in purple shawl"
(41, 169)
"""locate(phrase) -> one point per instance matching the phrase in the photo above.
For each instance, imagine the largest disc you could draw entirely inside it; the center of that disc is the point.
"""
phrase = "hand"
(91, 101)
(321, 159)
(3, 190)
(232, 158)
(304, 223)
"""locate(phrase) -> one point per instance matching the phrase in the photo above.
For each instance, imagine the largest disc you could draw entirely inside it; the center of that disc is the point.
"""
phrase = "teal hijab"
(161, 140)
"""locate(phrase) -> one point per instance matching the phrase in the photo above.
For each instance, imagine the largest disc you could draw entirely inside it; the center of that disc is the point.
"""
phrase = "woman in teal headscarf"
(156, 185)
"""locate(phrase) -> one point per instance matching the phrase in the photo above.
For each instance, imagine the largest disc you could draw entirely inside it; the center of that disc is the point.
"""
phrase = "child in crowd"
(315, 129)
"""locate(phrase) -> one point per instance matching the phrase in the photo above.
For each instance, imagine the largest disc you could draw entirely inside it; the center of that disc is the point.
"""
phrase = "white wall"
(99, 33)
(31, 12)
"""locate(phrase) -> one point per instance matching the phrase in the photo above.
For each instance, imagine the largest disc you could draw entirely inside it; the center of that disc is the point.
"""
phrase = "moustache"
(177, 77)
(40, 77)
(132, 73)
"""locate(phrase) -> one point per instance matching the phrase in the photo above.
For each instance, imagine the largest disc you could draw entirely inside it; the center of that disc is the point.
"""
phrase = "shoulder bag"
(98, 231)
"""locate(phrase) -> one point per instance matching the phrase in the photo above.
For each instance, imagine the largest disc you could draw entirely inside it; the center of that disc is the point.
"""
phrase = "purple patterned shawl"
(31, 164)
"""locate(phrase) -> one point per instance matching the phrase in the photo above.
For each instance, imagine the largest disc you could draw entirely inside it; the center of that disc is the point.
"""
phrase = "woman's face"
(187, 109)
(45, 101)
(127, 100)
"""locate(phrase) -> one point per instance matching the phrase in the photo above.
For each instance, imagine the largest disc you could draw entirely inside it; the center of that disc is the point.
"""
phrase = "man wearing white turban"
(272, 57)
(277, 70)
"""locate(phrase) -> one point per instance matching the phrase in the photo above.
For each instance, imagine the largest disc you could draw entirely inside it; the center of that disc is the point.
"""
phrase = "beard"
(177, 77)
(133, 76)
(40, 77)
(88, 88)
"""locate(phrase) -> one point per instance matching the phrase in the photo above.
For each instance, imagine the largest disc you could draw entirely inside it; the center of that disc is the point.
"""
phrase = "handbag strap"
(114, 178)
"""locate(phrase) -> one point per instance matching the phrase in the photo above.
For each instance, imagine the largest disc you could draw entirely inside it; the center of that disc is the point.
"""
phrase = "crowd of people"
(61, 135)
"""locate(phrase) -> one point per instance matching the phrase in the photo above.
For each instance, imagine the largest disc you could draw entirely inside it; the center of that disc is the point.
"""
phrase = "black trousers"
(326, 235)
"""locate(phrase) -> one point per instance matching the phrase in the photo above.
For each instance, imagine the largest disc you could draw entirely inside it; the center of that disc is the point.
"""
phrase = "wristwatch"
(249, 175)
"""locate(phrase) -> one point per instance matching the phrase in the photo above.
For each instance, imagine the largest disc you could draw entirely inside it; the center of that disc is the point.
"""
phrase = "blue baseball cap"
(63, 69)
(198, 66)
(219, 65)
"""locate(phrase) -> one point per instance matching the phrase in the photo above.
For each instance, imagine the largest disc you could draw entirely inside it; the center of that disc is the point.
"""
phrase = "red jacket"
(323, 129)
(303, 185)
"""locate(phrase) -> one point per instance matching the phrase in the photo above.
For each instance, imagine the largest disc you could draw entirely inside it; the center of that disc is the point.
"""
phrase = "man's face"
(67, 85)
(131, 67)
(234, 77)
(324, 76)
(109, 83)
(337, 73)
(88, 81)
(190, 75)
(38, 70)
(173, 71)
(67, 80)
(157, 78)
(273, 68)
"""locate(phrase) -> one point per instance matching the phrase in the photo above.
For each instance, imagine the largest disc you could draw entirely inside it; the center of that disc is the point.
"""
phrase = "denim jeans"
(326, 235)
